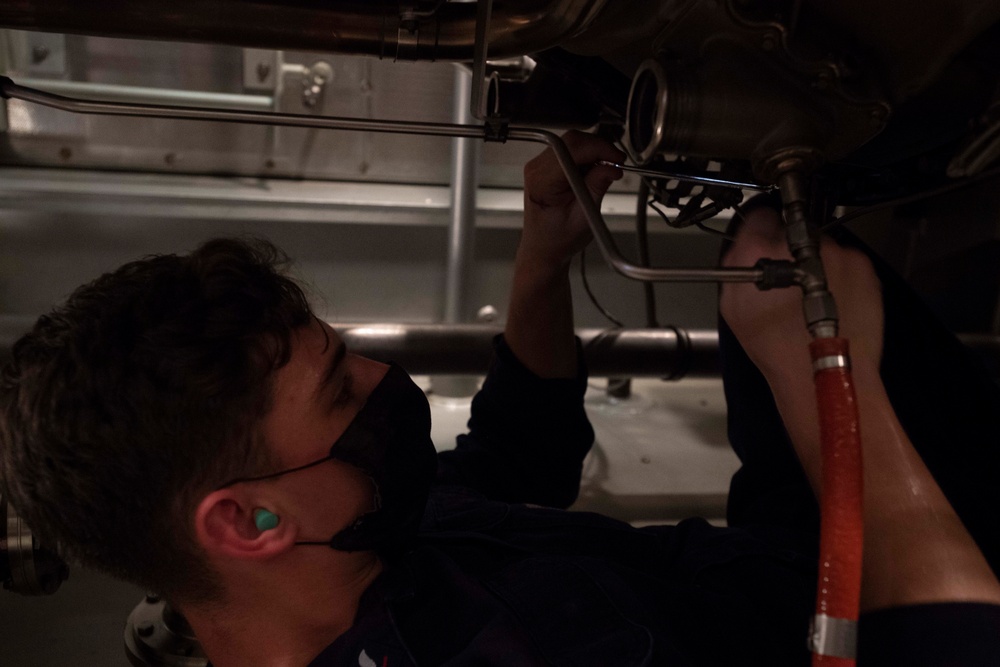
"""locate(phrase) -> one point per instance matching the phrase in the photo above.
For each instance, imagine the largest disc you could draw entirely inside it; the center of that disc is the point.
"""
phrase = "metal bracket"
(496, 129)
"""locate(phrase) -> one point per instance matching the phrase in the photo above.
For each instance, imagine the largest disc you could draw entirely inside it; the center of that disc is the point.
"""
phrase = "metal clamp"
(832, 361)
(496, 129)
(833, 637)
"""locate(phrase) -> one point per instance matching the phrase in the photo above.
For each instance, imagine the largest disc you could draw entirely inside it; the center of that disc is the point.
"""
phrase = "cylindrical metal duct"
(401, 31)
(727, 106)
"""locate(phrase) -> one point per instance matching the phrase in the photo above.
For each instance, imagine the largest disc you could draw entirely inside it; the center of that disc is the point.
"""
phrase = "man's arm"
(916, 548)
(528, 433)
(540, 315)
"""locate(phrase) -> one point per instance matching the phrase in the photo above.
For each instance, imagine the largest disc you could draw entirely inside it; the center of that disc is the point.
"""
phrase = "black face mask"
(389, 440)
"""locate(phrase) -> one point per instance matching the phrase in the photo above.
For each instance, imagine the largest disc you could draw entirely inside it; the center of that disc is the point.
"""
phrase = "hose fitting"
(803, 241)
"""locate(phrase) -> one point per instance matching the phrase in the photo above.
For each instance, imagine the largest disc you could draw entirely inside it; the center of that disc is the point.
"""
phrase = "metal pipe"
(461, 229)
(142, 95)
(690, 178)
(466, 348)
(379, 28)
(464, 181)
(592, 212)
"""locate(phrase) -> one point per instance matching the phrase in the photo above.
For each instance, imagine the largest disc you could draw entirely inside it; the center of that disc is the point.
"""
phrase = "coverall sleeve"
(527, 436)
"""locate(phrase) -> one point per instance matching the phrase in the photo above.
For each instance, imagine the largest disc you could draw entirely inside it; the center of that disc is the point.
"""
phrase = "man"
(187, 424)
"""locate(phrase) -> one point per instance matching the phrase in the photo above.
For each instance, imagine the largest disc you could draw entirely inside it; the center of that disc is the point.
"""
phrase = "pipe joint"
(775, 273)
(820, 312)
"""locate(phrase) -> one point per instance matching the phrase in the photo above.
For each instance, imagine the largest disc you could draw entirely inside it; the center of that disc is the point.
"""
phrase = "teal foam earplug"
(264, 519)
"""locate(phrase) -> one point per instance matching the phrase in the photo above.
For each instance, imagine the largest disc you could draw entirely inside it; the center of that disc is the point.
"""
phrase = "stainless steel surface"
(379, 29)
(176, 196)
(690, 178)
(591, 211)
(360, 87)
(745, 92)
(145, 95)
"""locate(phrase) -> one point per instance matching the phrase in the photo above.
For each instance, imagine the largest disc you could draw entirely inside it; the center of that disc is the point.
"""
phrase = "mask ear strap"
(271, 475)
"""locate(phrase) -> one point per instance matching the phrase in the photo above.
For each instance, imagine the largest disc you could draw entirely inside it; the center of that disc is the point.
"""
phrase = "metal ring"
(832, 361)
(833, 637)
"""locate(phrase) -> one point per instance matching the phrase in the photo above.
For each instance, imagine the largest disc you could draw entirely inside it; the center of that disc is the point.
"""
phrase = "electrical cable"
(718, 232)
(593, 299)
(909, 199)
(700, 225)
(642, 246)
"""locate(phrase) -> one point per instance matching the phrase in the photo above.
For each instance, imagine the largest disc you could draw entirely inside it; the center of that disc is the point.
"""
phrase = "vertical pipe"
(461, 229)
(464, 180)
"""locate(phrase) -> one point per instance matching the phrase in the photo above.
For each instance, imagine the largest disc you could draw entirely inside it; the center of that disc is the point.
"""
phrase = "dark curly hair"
(144, 391)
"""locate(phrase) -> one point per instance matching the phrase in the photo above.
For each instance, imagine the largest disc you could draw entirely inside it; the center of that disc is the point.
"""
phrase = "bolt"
(269, 164)
(170, 158)
(486, 314)
(646, 459)
(363, 167)
(145, 629)
(65, 152)
(39, 54)
(263, 71)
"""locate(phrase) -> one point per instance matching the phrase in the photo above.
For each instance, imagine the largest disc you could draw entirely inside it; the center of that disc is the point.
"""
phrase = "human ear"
(225, 526)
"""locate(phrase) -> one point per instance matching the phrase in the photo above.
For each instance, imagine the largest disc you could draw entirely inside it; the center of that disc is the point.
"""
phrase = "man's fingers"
(587, 149)
(547, 182)
(599, 179)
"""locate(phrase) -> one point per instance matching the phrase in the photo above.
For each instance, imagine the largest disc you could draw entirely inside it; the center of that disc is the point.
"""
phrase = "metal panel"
(358, 87)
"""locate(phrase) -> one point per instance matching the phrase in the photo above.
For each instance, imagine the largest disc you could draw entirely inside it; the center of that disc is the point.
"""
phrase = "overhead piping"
(396, 30)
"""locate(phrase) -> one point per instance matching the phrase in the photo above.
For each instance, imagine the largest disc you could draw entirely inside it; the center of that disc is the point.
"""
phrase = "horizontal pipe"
(371, 27)
(144, 95)
(592, 212)
(465, 349)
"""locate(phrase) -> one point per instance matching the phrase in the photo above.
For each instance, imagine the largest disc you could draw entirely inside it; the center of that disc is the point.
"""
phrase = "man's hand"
(555, 228)
(770, 325)
(540, 317)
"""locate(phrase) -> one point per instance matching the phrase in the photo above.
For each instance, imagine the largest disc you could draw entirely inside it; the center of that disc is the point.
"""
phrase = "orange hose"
(838, 590)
